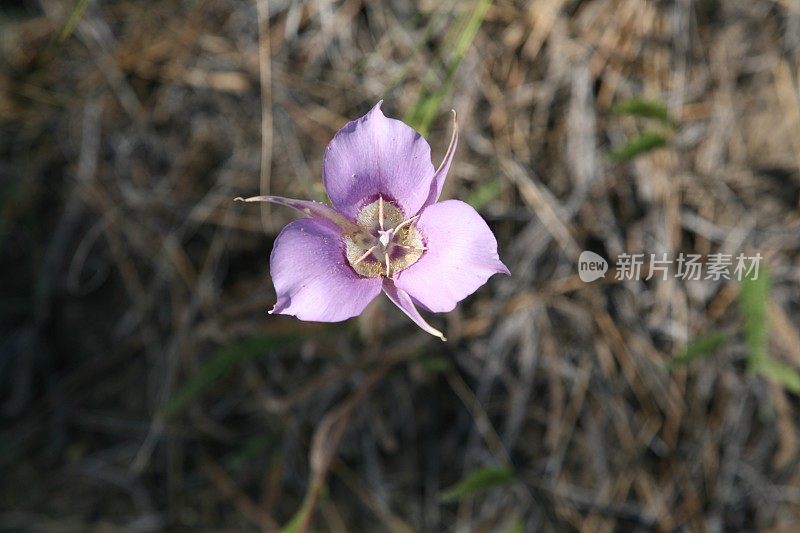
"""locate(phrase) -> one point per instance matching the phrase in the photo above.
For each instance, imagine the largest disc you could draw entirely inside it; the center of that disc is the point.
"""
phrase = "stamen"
(412, 248)
(366, 254)
(406, 222)
(386, 243)
(380, 211)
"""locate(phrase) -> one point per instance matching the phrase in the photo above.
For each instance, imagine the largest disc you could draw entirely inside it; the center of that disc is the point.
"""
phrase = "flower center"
(387, 242)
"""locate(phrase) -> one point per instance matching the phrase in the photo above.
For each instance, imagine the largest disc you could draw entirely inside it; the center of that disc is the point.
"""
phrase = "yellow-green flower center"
(387, 242)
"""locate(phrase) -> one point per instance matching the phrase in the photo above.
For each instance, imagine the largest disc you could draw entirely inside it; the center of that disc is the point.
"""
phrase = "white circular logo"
(591, 266)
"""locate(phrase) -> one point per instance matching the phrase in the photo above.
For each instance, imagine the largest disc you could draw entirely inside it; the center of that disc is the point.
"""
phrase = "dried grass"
(130, 275)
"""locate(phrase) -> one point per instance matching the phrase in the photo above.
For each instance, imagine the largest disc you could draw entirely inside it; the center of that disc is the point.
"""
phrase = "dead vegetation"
(143, 384)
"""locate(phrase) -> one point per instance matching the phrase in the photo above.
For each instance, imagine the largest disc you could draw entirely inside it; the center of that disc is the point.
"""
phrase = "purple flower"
(386, 231)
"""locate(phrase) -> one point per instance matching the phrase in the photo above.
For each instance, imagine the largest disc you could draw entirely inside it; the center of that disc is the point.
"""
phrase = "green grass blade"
(700, 347)
(485, 193)
(646, 142)
(53, 47)
(435, 364)
(516, 526)
(422, 114)
(223, 363)
(74, 18)
(476, 481)
(753, 302)
(252, 448)
(784, 374)
(640, 107)
(294, 523)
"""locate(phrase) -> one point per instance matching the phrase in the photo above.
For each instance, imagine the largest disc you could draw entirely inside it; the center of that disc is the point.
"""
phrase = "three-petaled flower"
(386, 231)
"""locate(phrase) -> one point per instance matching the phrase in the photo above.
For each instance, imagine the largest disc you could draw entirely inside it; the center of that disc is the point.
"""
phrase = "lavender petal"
(312, 278)
(376, 155)
(461, 256)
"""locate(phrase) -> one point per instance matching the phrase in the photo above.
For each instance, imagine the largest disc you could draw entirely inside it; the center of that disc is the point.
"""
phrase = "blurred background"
(143, 386)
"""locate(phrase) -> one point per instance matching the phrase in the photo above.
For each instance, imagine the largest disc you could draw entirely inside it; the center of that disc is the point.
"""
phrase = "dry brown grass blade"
(128, 127)
(265, 77)
(243, 503)
(328, 436)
